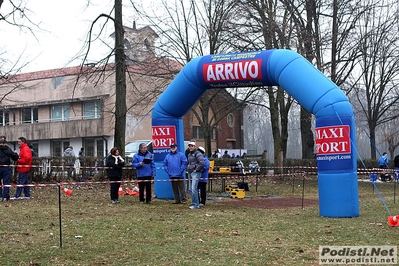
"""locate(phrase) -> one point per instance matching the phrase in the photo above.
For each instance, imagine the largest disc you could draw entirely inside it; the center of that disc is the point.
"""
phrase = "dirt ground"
(272, 203)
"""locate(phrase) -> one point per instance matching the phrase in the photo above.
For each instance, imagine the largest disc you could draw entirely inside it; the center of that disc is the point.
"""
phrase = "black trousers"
(202, 192)
(145, 186)
(114, 187)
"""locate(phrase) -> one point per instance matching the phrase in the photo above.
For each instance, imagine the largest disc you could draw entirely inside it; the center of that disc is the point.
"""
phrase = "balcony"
(57, 130)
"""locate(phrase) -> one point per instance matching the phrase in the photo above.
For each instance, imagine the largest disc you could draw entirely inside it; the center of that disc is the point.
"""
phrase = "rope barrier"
(297, 168)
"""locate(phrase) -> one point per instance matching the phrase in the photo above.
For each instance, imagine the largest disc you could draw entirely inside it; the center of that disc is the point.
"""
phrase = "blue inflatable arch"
(335, 127)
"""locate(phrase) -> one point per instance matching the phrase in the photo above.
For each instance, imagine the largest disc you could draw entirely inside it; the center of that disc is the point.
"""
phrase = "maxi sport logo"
(333, 140)
(358, 255)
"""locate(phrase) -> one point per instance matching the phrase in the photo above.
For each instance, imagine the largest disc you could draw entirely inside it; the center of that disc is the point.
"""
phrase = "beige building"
(75, 106)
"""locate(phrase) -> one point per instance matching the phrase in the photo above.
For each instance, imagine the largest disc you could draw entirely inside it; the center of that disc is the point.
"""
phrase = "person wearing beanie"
(194, 168)
(203, 179)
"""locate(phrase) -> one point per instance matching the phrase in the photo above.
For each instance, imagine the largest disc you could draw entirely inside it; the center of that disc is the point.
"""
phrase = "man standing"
(204, 178)
(6, 155)
(24, 165)
(145, 170)
(175, 165)
(194, 168)
(69, 157)
(383, 163)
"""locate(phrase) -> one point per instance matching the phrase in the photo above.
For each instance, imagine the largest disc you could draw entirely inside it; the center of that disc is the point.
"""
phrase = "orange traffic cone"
(68, 192)
(120, 191)
(393, 220)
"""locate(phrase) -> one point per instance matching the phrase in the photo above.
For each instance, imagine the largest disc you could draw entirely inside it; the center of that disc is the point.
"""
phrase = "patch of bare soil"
(272, 203)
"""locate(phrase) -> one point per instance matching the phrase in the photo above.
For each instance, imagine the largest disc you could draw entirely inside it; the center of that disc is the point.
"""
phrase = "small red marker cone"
(120, 191)
(393, 220)
(68, 192)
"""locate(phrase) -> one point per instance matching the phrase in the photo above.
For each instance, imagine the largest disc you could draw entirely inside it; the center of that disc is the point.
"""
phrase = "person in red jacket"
(24, 165)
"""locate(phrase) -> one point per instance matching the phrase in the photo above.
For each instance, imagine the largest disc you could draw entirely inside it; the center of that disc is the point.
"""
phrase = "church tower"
(139, 44)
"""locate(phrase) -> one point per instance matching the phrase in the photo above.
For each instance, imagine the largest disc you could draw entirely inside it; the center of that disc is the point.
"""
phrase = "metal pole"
(59, 213)
(303, 191)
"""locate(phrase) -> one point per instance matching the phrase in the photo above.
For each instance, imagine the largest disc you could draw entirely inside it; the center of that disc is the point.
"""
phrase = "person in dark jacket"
(6, 155)
(174, 164)
(396, 165)
(145, 170)
(115, 163)
(194, 168)
(204, 178)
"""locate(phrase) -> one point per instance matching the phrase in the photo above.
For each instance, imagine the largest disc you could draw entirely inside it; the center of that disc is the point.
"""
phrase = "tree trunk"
(307, 134)
(120, 80)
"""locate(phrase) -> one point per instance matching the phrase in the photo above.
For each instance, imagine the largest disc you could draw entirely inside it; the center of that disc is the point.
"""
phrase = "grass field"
(95, 232)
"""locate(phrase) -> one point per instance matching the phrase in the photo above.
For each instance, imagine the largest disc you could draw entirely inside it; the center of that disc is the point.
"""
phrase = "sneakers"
(202, 205)
(20, 198)
(115, 201)
(176, 202)
(141, 202)
(192, 207)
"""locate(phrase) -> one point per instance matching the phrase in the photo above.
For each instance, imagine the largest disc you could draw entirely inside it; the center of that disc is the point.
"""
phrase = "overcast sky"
(63, 28)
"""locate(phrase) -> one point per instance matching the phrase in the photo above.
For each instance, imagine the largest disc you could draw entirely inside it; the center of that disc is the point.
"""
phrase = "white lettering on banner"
(163, 136)
(161, 131)
(328, 133)
(164, 142)
(333, 140)
(230, 71)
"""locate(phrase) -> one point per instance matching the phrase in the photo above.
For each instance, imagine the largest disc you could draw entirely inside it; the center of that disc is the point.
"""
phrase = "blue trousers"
(23, 180)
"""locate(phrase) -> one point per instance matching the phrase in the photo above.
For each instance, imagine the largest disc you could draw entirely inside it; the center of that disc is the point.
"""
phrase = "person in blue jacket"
(383, 162)
(174, 165)
(204, 178)
(145, 170)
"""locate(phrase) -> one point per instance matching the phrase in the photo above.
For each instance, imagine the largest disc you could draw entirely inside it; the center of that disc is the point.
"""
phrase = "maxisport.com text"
(334, 157)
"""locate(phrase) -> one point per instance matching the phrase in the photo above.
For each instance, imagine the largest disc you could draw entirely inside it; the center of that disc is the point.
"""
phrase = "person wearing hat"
(204, 178)
(194, 168)
(174, 164)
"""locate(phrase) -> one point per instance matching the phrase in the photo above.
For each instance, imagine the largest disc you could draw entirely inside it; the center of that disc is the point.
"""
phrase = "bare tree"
(191, 29)
(377, 91)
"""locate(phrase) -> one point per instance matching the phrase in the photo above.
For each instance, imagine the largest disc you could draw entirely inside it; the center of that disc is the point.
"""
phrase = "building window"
(91, 109)
(29, 115)
(56, 81)
(94, 147)
(60, 112)
(58, 147)
(198, 133)
(35, 147)
(230, 120)
(4, 118)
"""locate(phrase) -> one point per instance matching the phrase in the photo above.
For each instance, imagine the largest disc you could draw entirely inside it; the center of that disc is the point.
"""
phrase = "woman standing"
(114, 163)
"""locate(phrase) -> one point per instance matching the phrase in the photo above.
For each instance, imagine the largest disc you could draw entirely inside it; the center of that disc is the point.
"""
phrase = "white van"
(132, 147)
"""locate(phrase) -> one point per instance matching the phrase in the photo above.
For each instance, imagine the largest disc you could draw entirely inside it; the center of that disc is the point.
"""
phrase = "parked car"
(132, 147)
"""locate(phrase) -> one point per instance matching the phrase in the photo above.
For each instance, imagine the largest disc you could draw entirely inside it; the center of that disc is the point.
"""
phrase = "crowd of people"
(176, 164)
